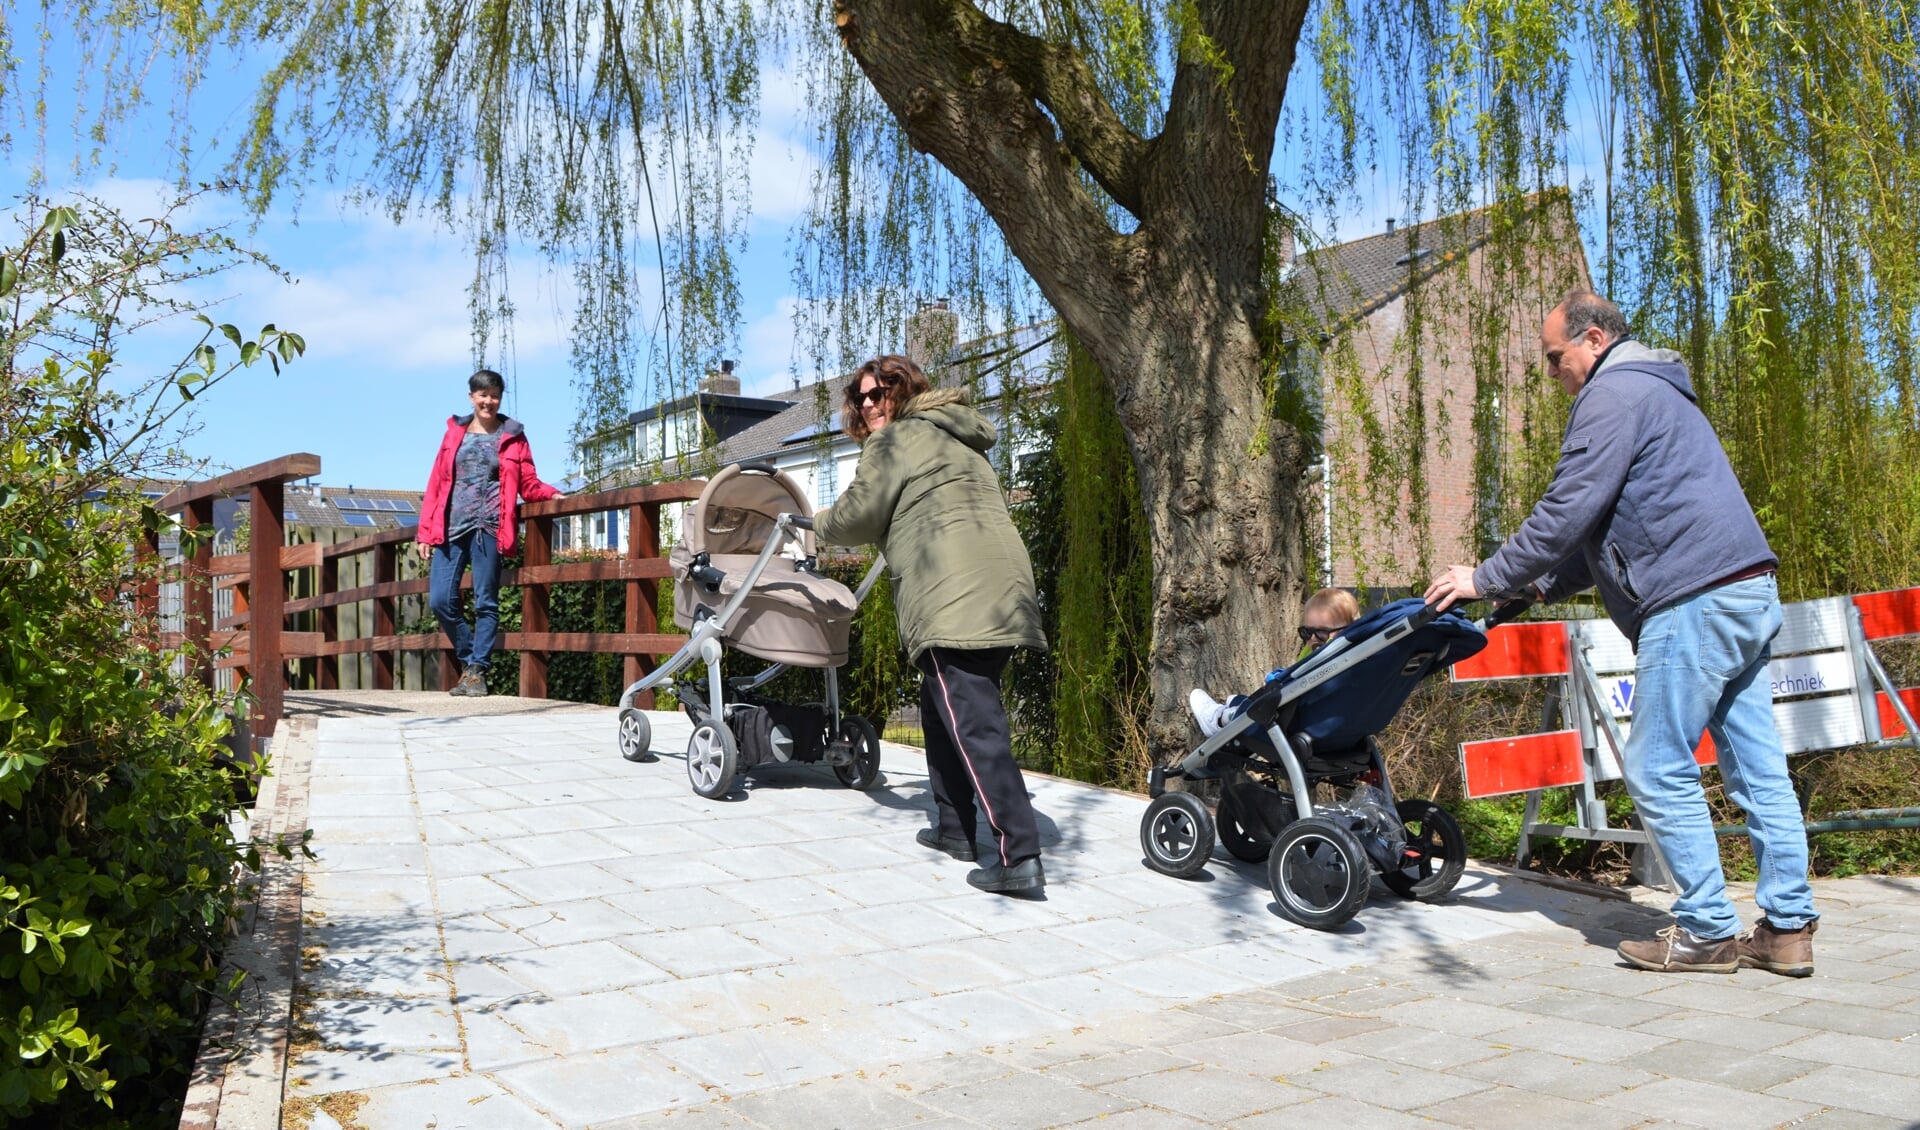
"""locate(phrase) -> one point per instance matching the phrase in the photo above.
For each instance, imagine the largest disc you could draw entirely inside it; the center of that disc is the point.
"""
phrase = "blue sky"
(383, 306)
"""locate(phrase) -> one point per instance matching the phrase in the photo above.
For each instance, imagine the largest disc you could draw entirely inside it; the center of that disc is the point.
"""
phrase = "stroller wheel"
(1237, 831)
(1319, 873)
(1177, 835)
(636, 735)
(712, 755)
(1436, 852)
(863, 772)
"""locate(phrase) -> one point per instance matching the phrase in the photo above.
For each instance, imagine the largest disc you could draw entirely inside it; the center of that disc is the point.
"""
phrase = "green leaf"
(59, 247)
(232, 332)
(9, 277)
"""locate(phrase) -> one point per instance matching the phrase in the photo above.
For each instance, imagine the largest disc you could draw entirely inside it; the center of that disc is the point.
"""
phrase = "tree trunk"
(1169, 311)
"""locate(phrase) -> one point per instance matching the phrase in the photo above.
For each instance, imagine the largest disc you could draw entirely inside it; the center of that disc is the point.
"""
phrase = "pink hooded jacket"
(518, 480)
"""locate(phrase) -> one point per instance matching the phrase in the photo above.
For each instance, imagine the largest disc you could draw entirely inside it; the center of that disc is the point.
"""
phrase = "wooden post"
(643, 541)
(196, 589)
(535, 552)
(328, 576)
(266, 604)
(384, 559)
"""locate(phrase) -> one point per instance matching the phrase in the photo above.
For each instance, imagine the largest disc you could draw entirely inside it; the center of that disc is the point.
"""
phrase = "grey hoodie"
(1644, 504)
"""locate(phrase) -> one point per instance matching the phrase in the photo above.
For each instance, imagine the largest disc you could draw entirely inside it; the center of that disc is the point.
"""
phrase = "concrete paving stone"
(752, 1059)
(1451, 1017)
(1594, 1008)
(992, 913)
(1326, 1029)
(464, 1102)
(377, 974)
(1695, 1103)
(1871, 971)
(772, 898)
(1392, 1085)
(1852, 1019)
(760, 861)
(1418, 1047)
(1720, 1065)
(1561, 1076)
(847, 1104)
(891, 887)
(913, 1076)
(899, 926)
(589, 1022)
(942, 967)
(557, 924)
(666, 872)
(355, 932)
(1327, 983)
(1371, 1000)
(583, 967)
(1744, 1033)
(808, 936)
(1581, 1040)
(324, 1072)
(474, 937)
(1066, 1045)
(652, 842)
(1141, 1118)
(337, 805)
(700, 950)
(1504, 1108)
(373, 830)
(1895, 1057)
(493, 1044)
(455, 780)
(438, 830)
(857, 853)
(680, 908)
(1831, 1119)
(1117, 939)
(358, 784)
(551, 849)
(382, 1025)
(473, 857)
(1116, 1066)
(1344, 1113)
(1261, 1053)
(1179, 977)
(580, 1091)
(719, 1003)
(878, 1035)
(474, 894)
(986, 1016)
(477, 984)
(1732, 996)
(712, 1116)
(557, 792)
(480, 804)
(384, 859)
(1823, 988)
(1254, 1011)
(1083, 997)
(1023, 1101)
(1856, 1088)
(1036, 953)
(1148, 889)
(564, 883)
(1209, 1093)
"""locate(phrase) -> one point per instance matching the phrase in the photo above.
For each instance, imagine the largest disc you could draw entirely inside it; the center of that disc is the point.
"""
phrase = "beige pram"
(745, 579)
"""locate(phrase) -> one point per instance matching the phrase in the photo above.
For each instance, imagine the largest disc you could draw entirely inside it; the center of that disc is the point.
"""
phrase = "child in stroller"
(1327, 614)
(1315, 725)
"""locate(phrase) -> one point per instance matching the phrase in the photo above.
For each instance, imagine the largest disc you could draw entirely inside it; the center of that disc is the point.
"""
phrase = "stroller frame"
(1320, 858)
(714, 753)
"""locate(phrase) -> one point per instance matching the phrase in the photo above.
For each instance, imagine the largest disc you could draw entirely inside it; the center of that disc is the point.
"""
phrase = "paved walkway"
(510, 927)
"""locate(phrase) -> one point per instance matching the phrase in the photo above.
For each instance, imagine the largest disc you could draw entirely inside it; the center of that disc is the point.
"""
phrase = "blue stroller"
(1315, 724)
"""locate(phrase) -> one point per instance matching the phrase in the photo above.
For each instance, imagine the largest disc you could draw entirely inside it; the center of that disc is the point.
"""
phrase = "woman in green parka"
(963, 585)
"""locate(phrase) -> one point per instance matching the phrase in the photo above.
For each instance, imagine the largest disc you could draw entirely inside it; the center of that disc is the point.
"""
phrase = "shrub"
(118, 870)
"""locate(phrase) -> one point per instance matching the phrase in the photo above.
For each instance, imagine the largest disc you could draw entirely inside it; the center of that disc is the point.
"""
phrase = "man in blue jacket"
(1645, 506)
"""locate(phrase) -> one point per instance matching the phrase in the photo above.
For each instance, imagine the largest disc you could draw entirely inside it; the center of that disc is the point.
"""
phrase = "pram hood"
(790, 615)
(1359, 702)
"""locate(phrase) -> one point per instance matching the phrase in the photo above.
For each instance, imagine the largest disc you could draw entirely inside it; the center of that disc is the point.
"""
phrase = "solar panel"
(360, 520)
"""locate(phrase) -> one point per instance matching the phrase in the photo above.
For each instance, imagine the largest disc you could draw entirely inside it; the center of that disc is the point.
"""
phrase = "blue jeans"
(479, 549)
(1702, 665)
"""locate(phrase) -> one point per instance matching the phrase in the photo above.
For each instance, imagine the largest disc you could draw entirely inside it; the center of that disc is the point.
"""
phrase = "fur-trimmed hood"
(949, 410)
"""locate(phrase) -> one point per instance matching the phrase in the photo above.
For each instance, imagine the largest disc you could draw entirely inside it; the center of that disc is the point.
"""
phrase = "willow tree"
(1108, 162)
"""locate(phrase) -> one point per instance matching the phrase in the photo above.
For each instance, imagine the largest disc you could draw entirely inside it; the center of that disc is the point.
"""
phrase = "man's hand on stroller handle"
(1453, 586)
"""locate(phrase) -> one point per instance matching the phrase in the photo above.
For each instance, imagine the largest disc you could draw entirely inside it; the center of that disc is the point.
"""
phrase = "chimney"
(1286, 252)
(722, 383)
(932, 332)
(1389, 225)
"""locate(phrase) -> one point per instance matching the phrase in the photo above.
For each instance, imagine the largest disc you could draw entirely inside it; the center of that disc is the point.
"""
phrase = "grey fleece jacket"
(1644, 504)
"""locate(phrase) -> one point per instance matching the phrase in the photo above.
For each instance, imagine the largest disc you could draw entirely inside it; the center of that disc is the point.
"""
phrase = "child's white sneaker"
(1209, 714)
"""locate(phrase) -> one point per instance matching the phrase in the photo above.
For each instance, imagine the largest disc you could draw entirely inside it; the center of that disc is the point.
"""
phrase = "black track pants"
(969, 751)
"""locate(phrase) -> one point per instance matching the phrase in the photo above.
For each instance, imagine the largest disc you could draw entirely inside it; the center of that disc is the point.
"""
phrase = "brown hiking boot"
(1674, 950)
(472, 684)
(1786, 952)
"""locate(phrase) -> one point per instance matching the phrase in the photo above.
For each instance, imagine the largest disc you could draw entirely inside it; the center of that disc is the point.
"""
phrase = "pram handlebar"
(1506, 611)
(760, 465)
(795, 521)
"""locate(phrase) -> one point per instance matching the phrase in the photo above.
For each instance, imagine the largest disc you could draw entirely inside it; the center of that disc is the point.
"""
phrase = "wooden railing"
(254, 638)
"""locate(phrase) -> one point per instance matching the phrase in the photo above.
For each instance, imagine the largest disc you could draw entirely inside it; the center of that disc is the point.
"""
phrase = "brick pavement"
(509, 926)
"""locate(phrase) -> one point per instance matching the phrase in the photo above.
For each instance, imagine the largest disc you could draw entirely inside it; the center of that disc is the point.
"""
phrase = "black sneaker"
(958, 847)
(1024, 876)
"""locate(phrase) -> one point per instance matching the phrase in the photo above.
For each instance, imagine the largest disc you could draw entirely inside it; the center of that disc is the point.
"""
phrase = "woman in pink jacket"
(471, 518)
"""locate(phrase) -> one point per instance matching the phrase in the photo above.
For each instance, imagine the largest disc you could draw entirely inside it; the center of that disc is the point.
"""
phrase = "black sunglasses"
(1322, 635)
(882, 386)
